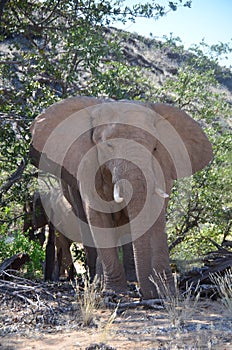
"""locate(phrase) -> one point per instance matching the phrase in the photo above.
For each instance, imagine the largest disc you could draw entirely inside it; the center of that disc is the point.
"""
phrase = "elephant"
(37, 214)
(117, 160)
(58, 255)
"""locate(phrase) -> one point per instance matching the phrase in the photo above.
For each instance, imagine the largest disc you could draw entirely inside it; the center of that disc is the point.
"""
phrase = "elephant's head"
(148, 145)
(126, 139)
(142, 134)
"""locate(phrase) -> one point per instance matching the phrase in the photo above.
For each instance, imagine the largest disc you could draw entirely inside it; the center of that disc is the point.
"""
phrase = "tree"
(201, 207)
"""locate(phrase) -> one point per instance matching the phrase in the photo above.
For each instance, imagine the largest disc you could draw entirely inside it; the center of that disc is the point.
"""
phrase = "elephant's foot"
(118, 288)
(164, 283)
(151, 293)
(148, 290)
(115, 283)
(160, 285)
(112, 299)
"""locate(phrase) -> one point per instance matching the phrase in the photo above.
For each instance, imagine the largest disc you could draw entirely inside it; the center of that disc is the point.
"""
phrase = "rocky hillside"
(163, 61)
(157, 61)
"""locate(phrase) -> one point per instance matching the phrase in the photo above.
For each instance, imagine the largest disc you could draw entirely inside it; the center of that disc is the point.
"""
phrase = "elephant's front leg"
(114, 275)
(91, 260)
(127, 249)
(152, 260)
(104, 236)
(129, 262)
(161, 270)
(142, 255)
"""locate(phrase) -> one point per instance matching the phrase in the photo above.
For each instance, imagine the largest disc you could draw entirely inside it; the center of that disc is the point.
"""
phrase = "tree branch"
(13, 178)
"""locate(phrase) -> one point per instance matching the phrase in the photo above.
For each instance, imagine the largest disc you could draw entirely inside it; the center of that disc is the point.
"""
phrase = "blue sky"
(208, 19)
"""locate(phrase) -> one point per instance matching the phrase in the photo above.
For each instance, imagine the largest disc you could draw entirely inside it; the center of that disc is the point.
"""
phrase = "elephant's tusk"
(117, 197)
(161, 193)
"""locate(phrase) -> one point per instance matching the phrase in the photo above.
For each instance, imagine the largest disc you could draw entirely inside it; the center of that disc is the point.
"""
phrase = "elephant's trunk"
(117, 197)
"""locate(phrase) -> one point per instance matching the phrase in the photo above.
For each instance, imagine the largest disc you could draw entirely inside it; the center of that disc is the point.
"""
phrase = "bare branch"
(13, 178)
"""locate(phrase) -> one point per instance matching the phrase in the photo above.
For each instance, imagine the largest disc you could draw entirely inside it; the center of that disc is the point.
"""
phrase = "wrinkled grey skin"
(138, 151)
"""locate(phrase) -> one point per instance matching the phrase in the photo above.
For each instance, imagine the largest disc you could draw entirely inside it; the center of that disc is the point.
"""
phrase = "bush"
(16, 242)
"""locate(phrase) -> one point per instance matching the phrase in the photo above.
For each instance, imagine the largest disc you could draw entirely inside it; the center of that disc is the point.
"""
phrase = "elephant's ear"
(182, 140)
(58, 132)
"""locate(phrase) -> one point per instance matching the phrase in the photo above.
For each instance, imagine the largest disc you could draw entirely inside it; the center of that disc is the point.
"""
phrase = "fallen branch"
(214, 262)
(156, 304)
(32, 293)
(15, 262)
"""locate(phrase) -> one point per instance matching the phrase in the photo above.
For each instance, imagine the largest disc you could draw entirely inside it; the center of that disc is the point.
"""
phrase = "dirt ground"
(52, 319)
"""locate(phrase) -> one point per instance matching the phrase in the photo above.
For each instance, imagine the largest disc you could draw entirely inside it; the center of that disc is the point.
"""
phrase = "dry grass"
(180, 306)
(224, 288)
(107, 327)
(89, 299)
(90, 302)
